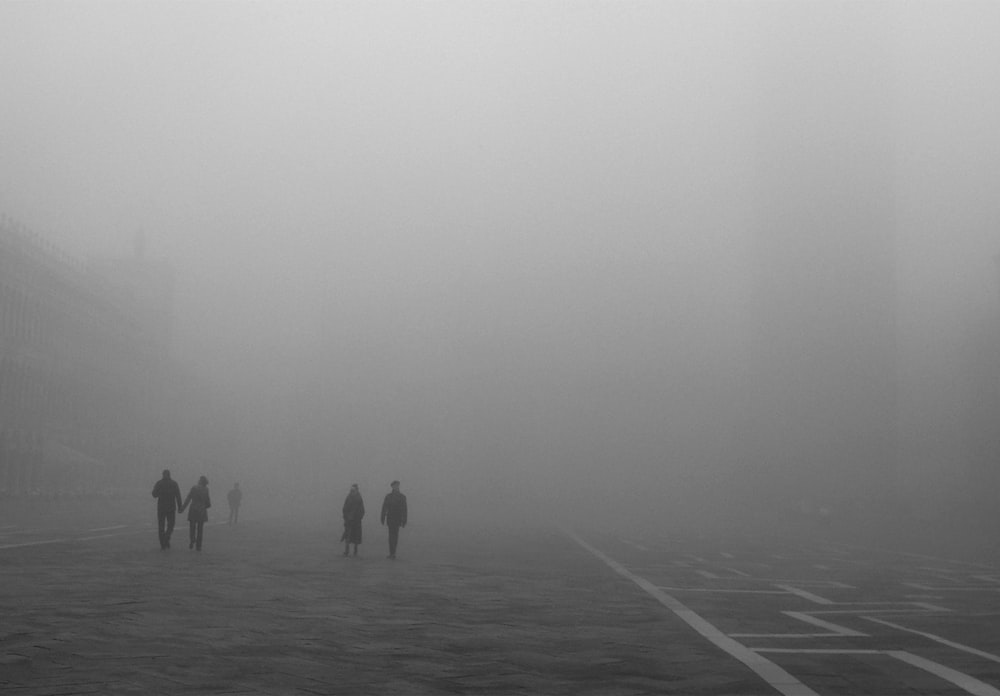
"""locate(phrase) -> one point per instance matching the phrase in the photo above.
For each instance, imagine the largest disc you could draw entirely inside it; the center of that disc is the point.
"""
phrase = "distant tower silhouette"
(822, 413)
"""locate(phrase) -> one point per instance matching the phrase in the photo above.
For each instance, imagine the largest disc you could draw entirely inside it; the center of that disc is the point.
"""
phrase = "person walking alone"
(199, 501)
(168, 502)
(394, 515)
(354, 511)
(234, 498)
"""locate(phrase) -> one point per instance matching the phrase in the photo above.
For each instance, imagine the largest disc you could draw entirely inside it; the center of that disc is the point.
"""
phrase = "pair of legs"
(165, 525)
(347, 549)
(234, 514)
(393, 539)
(196, 533)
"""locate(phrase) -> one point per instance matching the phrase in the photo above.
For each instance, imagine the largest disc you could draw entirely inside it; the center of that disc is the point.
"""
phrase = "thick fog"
(609, 260)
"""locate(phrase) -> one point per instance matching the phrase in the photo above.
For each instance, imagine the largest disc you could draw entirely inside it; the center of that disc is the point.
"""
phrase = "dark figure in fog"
(394, 515)
(354, 511)
(168, 502)
(234, 497)
(200, 501)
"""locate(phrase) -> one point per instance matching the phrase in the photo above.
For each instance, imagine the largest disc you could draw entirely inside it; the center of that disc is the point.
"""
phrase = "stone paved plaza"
(91, 605)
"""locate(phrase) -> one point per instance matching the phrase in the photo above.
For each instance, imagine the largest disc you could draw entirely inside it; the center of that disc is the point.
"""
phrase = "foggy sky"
(505, 236)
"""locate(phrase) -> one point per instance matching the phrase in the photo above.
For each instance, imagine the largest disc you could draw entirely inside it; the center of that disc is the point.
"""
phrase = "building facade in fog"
(83, 371)
(821, 425)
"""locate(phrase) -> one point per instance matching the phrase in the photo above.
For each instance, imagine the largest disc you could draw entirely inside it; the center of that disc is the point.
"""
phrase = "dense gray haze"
(608, 259)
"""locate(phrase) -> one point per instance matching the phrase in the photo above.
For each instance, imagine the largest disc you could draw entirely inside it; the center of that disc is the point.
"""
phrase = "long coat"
(394, 509)
(200, 501)
(168, 495)
(354, 511)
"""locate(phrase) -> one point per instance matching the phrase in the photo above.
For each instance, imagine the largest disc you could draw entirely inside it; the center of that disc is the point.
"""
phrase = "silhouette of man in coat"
(168, 501)
(394, 515)
(234, 498)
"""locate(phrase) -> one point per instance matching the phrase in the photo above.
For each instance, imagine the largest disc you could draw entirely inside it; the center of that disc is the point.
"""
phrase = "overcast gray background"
(496, 247)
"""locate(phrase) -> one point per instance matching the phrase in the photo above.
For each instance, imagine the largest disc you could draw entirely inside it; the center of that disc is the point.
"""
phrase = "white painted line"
(937, 639)
(33, 543)
(104, 529)
(832, 627)
(825, 584)
(821, 567)
(737, 572)
(725, 555)
(917, 555)
(816, 583)
(866, 610)
(654, 567)
(697, 559)
(719, 590)
(930, 607)
(832, 630)
(635, 545)
(770, 672)
(945, 578)
(987, 578)
(967, 683)
(784, 636)
(821, 651)
(961, 680)
(707, 575)
(970, 588)
(113, 534)
(866, 607)
(805, 595)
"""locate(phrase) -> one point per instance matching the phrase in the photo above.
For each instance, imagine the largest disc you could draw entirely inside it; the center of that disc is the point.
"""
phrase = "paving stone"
(272, 608)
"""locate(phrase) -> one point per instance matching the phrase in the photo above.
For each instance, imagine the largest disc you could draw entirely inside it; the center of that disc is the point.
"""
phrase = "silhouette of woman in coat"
(199, 502)
(354, 510)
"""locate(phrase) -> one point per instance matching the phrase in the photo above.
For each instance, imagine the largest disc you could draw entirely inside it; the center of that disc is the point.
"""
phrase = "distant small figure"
(168, 502)
(234, 497)
(354, 511)
(394, 514)
(200, 501)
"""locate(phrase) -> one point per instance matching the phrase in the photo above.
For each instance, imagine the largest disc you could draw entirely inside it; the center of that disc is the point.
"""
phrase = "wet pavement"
(90, 604)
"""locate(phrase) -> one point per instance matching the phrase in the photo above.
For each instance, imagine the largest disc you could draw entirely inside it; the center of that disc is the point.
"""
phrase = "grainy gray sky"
(549, 203)
(301, 144)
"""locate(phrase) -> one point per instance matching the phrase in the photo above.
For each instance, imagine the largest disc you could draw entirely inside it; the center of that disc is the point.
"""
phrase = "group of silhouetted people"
(393, 516)
(169, 503)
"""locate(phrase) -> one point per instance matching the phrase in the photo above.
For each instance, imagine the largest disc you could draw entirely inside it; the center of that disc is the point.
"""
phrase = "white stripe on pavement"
(805, 595)
(721, 591)
(113, 534)
(33, 543)
(939, 639)
(635, 545)
(737, 572)
(833, 630)
(967, 683)
(769, 671)
(959, 679)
